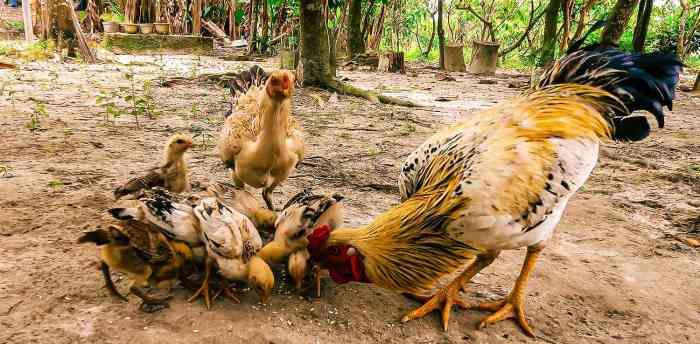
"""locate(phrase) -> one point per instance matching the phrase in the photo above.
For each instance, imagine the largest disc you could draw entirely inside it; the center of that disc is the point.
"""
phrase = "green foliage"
(38, 112)
(16, 25)
(128, 100)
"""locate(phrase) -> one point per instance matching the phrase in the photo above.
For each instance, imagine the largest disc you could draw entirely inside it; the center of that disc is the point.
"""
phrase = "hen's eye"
(180, 141)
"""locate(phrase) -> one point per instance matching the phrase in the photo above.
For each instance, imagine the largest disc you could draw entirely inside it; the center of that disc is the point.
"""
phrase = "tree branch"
(531, 24)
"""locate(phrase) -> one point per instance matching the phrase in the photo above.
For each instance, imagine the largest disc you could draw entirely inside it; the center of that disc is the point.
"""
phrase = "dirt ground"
(621, 268)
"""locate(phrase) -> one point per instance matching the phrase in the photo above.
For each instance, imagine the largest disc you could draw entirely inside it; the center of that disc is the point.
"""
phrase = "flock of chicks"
(498, 180)
(165, 233)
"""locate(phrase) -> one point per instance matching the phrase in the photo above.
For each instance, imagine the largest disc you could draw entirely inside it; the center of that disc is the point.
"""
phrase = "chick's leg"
(267, 196)
(204, 289)
(110, 284)
(448, 296)
(150, 304)
(513, 306)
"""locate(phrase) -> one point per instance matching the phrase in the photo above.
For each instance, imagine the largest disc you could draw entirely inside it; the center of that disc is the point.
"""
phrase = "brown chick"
(261, 142)
(302, 213)
(172, 174)
(140, 251)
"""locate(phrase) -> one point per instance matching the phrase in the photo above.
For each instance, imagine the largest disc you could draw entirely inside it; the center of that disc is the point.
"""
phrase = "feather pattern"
(229, 236)
(641, 81)
(246, 124)
(170, 212)
(488, 174)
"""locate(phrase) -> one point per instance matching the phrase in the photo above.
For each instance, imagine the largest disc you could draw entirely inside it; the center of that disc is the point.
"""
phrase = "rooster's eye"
(180, 141)
(333, 251)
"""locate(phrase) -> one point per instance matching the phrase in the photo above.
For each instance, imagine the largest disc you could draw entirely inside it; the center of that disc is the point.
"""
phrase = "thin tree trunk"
(85, 52)
(566, 25)
(640, 30)
(252, 26)
(696, 86)
(197, 17)
(356, 44)
(531, 24)
(265, 19)
(549, 41)
(432, 36)
(680, 46)
(617, 22)
(378, 30)
(366, 21)
(441, 35)
(582, 19)
(232, 20)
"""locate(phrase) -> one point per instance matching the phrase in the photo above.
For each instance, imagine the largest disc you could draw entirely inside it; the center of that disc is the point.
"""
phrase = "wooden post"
(27, 17)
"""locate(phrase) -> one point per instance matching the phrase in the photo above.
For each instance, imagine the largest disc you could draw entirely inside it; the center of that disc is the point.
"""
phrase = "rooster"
(500, 180)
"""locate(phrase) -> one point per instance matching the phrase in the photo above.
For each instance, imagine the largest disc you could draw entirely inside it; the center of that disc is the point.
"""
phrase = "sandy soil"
(619, 269)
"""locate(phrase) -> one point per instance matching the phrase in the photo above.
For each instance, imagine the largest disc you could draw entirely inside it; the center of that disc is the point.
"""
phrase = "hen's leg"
(482, 261)
(448, 296)
(513, 306)
(204, 289)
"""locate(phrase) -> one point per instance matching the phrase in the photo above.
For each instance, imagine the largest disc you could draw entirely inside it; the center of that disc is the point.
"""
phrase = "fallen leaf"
(444, 77)
(692, 242)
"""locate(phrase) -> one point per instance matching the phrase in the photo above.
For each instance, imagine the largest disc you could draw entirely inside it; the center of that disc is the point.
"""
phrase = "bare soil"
(621, 268)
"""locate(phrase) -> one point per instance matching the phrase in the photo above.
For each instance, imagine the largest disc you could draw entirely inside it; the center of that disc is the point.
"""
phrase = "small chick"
(141, 252)
(302, 213)
(172, 174)
(232, 242)
(244, 202)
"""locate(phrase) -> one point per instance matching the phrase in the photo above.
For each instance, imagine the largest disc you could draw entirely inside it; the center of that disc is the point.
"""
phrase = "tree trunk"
(617, 22)
(696, 87)
(441, 35)
(232, 20)
(566, 6)
(197, 17)
(680, 46)
(265, 20)
(549, 41)
(356, 44)
(378, 30)
(432, 36)
(582, 19)
(314, 44)
(252, 26)
(640, 30)
(392, 62)
(366, 22)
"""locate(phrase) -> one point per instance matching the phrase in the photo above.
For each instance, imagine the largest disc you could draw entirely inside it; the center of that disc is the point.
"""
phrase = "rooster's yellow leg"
(513, 306)
(317, 279)
(448, 296)
(204, 289)
(482, 261)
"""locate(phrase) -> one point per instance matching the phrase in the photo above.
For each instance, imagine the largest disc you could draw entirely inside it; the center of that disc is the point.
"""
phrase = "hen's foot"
(447, 297)
(510, 307)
